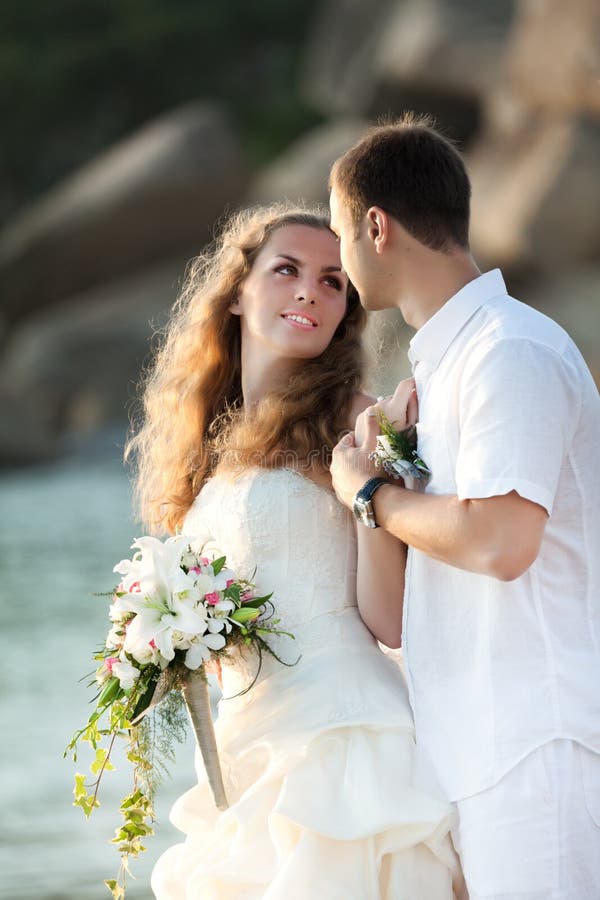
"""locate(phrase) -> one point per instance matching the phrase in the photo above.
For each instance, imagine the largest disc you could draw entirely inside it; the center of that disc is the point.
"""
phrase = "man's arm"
(518, 409)
(498, 536)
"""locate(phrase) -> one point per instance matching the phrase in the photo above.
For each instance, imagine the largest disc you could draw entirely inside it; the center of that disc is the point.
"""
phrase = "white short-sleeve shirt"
(496, 669)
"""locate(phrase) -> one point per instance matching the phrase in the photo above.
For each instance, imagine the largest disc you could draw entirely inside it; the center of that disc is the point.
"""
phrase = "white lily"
(200, 649)
(156, 619)
(156, 564)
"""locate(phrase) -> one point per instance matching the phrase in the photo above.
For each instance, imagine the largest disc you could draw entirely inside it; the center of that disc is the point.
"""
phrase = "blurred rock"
(340, 55)
(435, 56)
(153, 195)
(536, 190)
(572, 298)
(302, 170)
(74, 369)
(553, 59)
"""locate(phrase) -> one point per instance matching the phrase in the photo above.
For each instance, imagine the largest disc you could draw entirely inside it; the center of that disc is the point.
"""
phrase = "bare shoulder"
(360, 402)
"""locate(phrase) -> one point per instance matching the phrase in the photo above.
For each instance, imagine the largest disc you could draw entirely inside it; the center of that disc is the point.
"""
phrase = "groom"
(501, 620)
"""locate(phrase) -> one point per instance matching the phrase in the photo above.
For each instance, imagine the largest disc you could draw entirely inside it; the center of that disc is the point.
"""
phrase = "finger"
(346, 441)
(396, 408)
(371, 430)
(412, 410)
(404, 389)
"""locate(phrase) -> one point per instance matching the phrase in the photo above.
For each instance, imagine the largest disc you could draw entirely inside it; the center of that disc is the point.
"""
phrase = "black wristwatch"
(362, 505)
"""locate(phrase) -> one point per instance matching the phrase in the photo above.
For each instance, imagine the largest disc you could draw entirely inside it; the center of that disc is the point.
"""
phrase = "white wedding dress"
(328, 796)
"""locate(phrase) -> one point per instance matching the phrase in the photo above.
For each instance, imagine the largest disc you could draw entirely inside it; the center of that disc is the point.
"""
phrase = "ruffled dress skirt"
(329, 797)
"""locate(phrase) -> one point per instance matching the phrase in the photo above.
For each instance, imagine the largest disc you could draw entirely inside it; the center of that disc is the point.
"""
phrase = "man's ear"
(378, 227)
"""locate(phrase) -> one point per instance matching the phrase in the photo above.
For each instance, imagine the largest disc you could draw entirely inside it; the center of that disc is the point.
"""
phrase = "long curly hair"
(192, 419)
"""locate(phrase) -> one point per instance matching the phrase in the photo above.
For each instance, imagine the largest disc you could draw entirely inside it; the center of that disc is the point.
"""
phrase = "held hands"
(350, 464)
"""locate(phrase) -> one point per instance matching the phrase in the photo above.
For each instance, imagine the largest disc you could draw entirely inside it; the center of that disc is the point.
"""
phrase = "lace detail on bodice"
(293, 538)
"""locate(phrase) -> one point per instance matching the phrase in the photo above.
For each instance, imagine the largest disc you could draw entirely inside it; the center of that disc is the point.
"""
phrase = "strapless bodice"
(293, 538)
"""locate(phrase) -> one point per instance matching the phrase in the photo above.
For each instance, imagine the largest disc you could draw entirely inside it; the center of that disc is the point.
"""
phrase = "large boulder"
(153, 195)
(301, 172)
(553, 58)
(536, 191)
(73, 369)
(435, 56)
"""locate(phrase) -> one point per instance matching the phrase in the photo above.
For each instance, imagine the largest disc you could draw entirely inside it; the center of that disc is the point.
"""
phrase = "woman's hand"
(401, 408)
(351, 466)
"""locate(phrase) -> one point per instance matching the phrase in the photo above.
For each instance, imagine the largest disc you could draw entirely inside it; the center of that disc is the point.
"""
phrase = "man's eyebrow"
(298, 262)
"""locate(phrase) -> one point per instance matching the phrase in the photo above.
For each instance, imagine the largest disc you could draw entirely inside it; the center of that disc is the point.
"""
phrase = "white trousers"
(536, 834)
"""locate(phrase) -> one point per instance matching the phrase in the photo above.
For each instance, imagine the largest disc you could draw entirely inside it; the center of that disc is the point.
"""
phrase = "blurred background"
(130, 127)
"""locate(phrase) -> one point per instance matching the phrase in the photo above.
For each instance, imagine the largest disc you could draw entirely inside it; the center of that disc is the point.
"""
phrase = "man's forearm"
(481, 536)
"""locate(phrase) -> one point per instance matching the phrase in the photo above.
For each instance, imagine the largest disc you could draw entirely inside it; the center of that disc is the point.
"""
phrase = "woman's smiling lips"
(300, 320)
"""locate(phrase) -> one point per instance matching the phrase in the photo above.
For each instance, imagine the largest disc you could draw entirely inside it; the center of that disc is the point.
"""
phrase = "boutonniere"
(396, 452)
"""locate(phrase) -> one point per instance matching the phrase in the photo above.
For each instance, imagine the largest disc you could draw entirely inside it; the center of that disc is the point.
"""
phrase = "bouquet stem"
(194, 688)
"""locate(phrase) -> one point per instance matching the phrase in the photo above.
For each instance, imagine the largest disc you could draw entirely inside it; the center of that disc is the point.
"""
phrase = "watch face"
(359, 508)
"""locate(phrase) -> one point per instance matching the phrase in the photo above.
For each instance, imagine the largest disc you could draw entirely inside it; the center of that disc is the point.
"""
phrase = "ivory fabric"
(328, 795)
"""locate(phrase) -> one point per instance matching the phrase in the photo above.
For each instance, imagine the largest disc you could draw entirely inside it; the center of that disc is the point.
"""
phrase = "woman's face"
(295, 295)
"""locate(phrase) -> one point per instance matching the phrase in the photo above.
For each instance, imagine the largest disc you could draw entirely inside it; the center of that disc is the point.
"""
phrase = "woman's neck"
(262, 374)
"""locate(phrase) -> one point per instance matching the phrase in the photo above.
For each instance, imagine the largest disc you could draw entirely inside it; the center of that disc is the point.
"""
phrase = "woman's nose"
(306, 294)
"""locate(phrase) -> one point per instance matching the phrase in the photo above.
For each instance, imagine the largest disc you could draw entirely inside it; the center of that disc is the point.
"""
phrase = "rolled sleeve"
(519, 405)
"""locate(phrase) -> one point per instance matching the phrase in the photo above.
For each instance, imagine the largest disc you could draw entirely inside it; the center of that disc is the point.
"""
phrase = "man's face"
(343, 227)
(355, 253)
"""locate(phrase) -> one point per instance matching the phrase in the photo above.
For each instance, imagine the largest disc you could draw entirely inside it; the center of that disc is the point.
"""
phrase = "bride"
(258, 375)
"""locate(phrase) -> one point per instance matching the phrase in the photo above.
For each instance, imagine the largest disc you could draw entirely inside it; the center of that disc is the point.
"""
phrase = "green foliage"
(75, 77)
(404, 443)
(150, 748)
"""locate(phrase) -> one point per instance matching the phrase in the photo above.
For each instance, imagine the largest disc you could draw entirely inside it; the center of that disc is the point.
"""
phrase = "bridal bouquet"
(174, 611)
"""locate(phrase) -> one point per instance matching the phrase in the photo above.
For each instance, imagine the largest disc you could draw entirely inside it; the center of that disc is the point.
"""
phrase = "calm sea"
(62, 528)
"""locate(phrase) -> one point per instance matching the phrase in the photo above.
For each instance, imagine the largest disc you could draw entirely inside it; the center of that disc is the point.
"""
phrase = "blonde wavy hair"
(192, 419)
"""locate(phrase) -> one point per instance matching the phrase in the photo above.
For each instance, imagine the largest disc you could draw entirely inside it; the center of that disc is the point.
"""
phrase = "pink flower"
(110, 661)
(246, 595)
(135, 588)
(152, 644)
(230, 581)
(196, 569)
(205, 560)
(213, 598)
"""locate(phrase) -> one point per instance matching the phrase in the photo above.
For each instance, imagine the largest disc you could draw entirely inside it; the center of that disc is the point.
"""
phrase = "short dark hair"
(414, 173)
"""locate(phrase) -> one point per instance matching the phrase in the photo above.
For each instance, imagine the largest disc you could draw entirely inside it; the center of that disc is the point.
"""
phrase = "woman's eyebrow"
(298, 262)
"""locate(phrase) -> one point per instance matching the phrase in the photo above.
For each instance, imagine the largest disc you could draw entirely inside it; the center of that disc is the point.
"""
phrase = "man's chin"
(371, 303)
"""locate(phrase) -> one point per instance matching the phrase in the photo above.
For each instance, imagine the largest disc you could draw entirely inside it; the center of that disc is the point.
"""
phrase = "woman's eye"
(334, 283)
(286, 269)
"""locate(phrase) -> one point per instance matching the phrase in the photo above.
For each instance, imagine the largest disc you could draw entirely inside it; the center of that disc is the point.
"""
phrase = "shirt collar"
(432, 340)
